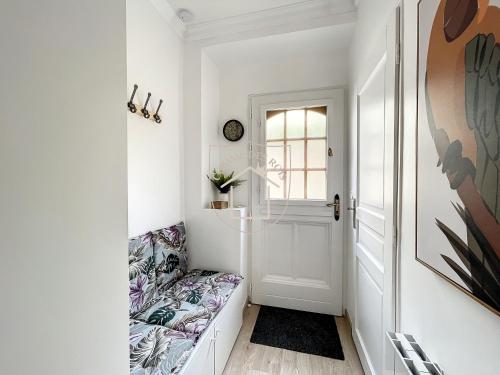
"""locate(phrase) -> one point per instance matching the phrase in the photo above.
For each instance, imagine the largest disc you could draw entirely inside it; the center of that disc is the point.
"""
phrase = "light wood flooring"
(253, 359)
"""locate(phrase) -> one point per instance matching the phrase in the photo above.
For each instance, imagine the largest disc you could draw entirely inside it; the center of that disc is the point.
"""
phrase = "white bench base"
(213, 349)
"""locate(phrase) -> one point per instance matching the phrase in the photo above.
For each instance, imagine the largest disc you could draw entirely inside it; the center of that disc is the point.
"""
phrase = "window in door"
(296, 149)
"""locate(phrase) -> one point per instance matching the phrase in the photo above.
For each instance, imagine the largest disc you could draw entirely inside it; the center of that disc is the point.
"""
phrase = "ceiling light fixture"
(185, 15)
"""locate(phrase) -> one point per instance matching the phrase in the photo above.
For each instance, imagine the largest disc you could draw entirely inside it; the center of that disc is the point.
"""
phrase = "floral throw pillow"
(170, 255)
(141, 272)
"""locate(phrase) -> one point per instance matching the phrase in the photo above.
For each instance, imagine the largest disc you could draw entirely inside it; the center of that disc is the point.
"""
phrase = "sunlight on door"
(296, 148)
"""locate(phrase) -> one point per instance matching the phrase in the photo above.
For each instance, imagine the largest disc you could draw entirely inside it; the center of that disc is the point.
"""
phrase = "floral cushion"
(210, 289)
(170, 255)
(222, 278)
(157, 350)
(178, 315)
(141, 268)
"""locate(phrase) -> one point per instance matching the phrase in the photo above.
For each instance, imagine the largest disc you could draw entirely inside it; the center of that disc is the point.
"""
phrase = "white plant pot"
(224, 197)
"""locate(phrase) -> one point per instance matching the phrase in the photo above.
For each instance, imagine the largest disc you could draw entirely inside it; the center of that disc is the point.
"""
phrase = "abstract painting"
(458, 144)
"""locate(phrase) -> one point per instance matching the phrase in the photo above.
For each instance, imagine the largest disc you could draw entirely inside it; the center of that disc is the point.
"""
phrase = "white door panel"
(375, 235)
(372, 241)
(297, 267)
(369, 317)
(313, 251)
(276, 245)
(371, 139)
(297, 253)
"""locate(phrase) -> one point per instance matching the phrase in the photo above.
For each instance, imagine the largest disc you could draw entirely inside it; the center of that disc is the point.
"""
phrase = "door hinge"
(353, 209)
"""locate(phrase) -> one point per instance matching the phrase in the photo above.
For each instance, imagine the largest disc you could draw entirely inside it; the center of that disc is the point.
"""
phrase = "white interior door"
(377, 100)
(297, 238)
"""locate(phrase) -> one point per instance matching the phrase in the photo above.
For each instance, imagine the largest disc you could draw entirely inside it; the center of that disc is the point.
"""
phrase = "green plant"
(220, 181)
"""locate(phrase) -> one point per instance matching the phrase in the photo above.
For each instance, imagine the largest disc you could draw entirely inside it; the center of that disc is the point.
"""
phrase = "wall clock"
(233, 130)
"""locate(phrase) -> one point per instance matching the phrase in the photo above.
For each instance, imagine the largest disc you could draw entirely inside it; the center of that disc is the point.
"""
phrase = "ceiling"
(276, 48)
(209, 10)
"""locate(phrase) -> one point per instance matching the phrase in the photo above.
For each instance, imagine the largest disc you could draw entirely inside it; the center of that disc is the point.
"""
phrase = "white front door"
(377, 98)
(297, 237)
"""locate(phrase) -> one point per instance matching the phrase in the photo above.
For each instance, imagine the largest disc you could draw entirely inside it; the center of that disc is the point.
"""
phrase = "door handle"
(336, 206)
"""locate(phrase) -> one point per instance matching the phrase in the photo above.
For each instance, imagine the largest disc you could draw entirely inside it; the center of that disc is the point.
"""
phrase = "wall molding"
(168, 13)
(296, 17)
(305, 15)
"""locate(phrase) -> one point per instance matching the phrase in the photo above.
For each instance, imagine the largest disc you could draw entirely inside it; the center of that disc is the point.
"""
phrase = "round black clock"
(233, 130)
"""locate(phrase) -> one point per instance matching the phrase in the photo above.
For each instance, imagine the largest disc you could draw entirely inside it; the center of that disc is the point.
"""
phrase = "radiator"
(411, 355)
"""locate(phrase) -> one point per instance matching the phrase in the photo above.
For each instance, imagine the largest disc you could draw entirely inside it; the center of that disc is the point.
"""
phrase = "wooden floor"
(253, 359)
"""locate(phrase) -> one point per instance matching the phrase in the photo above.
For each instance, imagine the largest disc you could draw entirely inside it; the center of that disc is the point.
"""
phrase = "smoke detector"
(185, 15)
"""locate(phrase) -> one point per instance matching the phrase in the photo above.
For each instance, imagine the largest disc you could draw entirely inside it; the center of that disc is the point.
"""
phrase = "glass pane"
(296, 184)
(316, 124)
(316, 153)
(316, 185)
(295, 123)
(275, 126)
(275, 152)
(276, 185)
(297, 154)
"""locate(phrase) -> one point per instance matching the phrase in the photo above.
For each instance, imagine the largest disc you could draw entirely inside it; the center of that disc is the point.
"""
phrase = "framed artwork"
(458, 144)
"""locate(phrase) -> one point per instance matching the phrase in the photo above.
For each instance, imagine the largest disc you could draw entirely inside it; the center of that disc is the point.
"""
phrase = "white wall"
(457, 332)
(201, 101)
(155, 152)
(201, 113)
(294, 71)
(63, 190)
(192, 131)
(210, 107)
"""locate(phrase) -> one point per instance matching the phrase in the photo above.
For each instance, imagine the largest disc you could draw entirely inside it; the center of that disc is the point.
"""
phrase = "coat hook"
(131, 106)
(144, 111)
(156, 116)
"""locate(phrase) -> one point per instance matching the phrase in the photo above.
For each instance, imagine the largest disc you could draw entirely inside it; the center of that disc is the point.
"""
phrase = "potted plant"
(223, 183)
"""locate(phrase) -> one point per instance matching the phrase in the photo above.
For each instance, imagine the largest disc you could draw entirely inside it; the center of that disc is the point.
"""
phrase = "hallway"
(252, 359)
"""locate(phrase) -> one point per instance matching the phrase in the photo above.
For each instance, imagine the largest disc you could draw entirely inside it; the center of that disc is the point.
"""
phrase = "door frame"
(391, 264)
(324, 96)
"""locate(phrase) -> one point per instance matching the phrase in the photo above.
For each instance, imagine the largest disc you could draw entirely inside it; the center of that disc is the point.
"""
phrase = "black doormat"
(299, 331)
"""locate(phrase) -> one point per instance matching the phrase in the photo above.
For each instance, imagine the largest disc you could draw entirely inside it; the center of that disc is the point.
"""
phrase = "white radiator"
(411, 355)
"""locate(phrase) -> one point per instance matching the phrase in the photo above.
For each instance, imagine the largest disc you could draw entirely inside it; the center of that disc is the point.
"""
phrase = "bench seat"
(165, 332)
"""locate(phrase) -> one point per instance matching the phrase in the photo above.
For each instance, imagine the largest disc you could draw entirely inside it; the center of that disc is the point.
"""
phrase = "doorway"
(298, 199)
(376, 212)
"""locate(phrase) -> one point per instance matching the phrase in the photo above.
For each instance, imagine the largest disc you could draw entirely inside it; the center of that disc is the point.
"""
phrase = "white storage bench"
(213, 349)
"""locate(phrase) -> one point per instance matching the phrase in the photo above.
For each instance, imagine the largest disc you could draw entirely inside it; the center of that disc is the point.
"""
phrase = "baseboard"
(348, 317)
